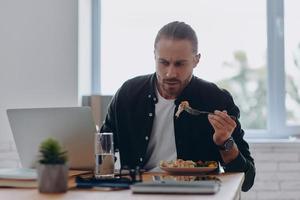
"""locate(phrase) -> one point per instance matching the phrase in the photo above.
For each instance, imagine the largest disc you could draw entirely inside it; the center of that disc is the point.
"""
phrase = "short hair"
(178, 31)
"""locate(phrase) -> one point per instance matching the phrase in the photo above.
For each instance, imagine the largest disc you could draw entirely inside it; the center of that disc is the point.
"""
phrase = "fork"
(193, 111)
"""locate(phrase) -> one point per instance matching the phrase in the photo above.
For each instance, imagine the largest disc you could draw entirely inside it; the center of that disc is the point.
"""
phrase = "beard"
(173, 87)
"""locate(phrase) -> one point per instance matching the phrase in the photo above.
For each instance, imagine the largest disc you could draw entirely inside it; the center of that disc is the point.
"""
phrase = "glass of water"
(104, 156)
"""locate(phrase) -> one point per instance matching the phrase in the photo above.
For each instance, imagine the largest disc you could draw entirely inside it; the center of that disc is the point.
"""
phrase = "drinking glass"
(104, 156)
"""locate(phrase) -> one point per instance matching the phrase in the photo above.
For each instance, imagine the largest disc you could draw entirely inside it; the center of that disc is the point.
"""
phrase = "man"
(141, 114)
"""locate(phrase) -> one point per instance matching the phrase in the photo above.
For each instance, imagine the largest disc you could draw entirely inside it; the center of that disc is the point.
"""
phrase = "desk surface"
(230, 189)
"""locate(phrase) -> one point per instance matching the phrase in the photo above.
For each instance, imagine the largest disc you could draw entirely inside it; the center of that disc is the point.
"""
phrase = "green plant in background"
(249, 89)
(292, 83)
(52, 153)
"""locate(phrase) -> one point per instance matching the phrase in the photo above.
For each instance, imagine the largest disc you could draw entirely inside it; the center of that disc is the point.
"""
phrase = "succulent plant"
(52, 153)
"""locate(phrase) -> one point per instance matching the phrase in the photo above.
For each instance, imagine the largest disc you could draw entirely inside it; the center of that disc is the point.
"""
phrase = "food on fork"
(184, 105)
(181, 107)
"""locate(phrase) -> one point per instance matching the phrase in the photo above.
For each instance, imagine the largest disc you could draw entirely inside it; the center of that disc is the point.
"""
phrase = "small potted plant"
(52, 168)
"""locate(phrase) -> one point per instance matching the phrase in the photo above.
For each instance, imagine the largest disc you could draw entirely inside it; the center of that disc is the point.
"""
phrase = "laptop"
(176, 187)
(73, 127)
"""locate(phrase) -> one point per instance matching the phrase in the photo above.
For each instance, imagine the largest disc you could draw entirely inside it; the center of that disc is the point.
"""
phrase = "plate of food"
(188, 166)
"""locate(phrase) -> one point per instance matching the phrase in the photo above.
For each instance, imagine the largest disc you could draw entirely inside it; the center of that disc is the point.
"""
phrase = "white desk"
(230, 189)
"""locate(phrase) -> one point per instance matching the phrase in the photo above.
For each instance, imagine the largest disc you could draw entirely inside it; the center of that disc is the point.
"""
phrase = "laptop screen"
(73, 127)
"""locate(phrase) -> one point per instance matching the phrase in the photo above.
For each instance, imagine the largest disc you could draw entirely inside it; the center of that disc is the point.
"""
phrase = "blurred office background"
(70, 53)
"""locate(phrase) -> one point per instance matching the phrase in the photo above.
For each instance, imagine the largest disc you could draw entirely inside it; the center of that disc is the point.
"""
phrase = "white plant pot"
(52, 178)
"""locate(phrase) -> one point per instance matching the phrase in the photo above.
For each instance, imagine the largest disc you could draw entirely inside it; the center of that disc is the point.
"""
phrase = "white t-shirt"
(162, 140)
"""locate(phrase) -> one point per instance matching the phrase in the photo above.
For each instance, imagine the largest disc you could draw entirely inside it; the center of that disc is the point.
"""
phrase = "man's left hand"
(223, 125)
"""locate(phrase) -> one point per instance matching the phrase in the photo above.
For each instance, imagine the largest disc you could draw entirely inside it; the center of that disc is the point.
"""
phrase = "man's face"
(175, 62)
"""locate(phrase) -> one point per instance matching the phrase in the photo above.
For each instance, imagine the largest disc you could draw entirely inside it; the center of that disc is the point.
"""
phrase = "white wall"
(277, 170)
(38, 55)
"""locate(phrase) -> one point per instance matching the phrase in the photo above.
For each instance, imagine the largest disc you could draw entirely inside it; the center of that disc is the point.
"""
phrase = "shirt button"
(141, 159)
(150, 114)
(154, 99)
(146, 138)
(149, 96)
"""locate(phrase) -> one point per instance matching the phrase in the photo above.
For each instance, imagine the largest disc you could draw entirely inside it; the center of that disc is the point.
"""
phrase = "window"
(240, 47)
(292, 62)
